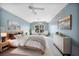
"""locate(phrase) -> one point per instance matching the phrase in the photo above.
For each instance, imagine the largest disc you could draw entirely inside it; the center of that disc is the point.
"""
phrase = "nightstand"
(4, 46)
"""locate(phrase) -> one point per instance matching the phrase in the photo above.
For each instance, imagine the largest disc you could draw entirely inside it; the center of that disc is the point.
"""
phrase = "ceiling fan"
(33, 8)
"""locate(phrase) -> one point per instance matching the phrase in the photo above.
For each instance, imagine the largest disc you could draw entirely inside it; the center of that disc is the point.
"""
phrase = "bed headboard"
(63, 44)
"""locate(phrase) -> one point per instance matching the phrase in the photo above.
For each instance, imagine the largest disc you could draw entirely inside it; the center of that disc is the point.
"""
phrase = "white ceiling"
(22, 10)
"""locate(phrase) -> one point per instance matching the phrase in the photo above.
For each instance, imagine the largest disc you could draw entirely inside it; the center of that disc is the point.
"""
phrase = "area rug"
(24, 52)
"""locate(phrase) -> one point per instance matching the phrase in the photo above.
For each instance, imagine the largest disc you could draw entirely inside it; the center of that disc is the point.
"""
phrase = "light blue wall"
(72, 9)
(7, 16)
(53, 29)
(34, 23)
(26, 28)
(0, 16)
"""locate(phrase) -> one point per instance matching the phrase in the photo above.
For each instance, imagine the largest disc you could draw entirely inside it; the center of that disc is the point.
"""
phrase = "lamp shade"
(3, 34)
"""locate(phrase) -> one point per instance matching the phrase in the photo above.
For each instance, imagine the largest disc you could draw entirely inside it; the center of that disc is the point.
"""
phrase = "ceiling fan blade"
(31, 6)
(36, 8)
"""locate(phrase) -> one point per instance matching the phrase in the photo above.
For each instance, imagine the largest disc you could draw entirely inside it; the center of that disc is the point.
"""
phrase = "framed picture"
(65, 23)
(13, 25)
(39, 28)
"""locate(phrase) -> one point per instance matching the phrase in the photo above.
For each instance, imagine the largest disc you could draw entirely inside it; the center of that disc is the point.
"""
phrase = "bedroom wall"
(26, 28)
(52, 29)
(7, 16)
(0, 16)
(72, 9)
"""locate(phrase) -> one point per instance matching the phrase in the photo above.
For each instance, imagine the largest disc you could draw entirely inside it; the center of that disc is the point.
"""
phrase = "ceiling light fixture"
(33, 8)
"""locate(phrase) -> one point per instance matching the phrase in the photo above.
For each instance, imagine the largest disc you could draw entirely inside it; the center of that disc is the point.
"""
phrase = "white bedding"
(34, 45)
(32, 42)
(17, 42)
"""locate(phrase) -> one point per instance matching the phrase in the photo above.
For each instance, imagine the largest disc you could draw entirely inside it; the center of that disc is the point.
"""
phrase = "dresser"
(63, 43)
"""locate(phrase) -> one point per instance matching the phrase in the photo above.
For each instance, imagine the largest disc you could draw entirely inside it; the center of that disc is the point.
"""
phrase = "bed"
(32, 42)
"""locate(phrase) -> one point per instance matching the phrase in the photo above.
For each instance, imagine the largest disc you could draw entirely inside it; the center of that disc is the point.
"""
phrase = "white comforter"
(18, 42)
(34, 45)
(33, 42)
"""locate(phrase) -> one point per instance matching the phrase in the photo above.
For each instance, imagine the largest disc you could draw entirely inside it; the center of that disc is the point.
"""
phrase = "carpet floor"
(19, 52)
